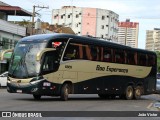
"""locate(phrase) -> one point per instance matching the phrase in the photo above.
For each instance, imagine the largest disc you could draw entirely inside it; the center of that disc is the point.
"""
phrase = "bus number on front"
(68, 66)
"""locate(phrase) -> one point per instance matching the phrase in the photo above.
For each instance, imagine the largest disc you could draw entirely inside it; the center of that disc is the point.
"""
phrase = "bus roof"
(48, 37)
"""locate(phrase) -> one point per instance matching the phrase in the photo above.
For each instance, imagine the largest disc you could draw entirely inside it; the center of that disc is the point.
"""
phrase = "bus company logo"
(108, 68)
(6, 114)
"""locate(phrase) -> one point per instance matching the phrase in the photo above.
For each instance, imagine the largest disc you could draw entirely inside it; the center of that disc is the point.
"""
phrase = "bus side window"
(119, 56)
(48, 64)
(87, 51)
(95, 52)
(72, 52)
(131, 58)
(142, 59)
(80, 51)
(107, 55)
(151, 60)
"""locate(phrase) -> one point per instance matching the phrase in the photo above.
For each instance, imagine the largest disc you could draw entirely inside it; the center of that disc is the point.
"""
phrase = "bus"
(63, 64)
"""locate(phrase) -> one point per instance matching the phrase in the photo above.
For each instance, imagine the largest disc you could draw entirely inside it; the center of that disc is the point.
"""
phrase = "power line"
(34, 12)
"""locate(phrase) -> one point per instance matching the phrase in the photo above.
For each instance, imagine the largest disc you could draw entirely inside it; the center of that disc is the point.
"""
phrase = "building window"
(102, 26)
(101, 36)
(6, 43)
(15, 43)
(107, 16)
(77, 15)
(61, 16)
(68, 16)
(76, 25)
(103, 17)
(106, 25)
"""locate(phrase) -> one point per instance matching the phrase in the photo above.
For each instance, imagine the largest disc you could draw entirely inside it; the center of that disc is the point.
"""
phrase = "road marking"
(149, 106)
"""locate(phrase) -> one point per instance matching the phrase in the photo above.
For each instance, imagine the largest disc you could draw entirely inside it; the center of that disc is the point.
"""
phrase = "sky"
(145, 12)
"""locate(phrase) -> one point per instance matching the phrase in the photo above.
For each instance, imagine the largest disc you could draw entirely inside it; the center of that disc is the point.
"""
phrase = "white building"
(88, 21)
(10, 33)
(128, 33)
(153, 39)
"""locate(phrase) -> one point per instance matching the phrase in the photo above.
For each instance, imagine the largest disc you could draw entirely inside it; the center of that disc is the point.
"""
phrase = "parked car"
(3, 79)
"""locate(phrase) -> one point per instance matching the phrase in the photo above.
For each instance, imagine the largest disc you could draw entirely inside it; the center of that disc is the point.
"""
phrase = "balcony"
(12, 28)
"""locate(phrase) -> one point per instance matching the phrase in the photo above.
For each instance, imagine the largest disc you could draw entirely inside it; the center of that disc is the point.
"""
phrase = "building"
(128, 33)
(96, 22)
(153, 39)
(10, 33)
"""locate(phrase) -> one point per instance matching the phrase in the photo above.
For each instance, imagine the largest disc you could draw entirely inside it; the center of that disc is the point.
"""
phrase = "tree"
(24, 23)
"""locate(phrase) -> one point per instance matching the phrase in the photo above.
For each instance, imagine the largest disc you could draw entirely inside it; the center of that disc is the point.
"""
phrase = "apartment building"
(128, 33)
(153, 39)
(96, 22)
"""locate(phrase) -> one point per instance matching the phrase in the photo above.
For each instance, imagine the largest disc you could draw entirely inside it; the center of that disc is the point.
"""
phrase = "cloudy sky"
(146, 12)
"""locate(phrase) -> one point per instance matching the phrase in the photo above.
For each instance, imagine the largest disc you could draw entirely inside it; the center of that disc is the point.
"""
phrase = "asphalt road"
(25, 102)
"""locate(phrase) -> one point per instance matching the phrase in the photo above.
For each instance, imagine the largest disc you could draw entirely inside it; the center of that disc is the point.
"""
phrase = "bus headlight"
(8, 81)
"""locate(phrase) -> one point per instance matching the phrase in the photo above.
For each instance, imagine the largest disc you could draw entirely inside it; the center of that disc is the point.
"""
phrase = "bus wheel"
(129, 93)
(37, 97)
(65, 92)
(137, 93)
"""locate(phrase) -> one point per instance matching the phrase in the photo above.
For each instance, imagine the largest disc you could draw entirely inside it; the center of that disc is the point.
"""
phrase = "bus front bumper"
(42, 87)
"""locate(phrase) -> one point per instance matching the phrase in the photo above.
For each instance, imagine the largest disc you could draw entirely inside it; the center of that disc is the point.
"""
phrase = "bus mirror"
(39, 54)
(6, 54)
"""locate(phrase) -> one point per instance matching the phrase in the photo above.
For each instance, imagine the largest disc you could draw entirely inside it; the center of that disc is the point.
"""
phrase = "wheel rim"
(138, 92)
(66, 93)
(129, 92)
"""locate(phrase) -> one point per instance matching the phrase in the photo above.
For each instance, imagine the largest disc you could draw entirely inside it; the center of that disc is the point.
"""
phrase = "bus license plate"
(19, 91)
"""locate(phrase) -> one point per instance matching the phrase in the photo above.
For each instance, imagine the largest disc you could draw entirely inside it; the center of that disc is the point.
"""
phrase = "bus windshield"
(23, 63)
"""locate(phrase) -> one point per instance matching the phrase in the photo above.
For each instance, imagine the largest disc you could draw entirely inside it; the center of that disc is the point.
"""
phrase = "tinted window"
(107, 56)
(142, 59)
(131, 58)
(118, 56)
(73, 51)
(151, 60)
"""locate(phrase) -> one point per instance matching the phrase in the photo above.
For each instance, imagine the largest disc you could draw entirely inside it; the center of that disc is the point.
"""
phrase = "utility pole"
(33, 14)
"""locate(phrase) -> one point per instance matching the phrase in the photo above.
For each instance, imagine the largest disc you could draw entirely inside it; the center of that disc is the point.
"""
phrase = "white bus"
(63, 64)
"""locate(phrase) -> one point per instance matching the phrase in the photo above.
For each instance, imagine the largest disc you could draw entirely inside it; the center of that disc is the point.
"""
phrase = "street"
(24, 102)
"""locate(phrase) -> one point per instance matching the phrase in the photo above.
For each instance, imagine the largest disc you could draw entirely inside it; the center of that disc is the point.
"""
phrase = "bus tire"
(137, 92)
(36, 97)
(129, 93)
(64, 92)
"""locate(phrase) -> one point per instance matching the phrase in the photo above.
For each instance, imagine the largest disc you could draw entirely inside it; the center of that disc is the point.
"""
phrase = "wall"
(89, 20)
